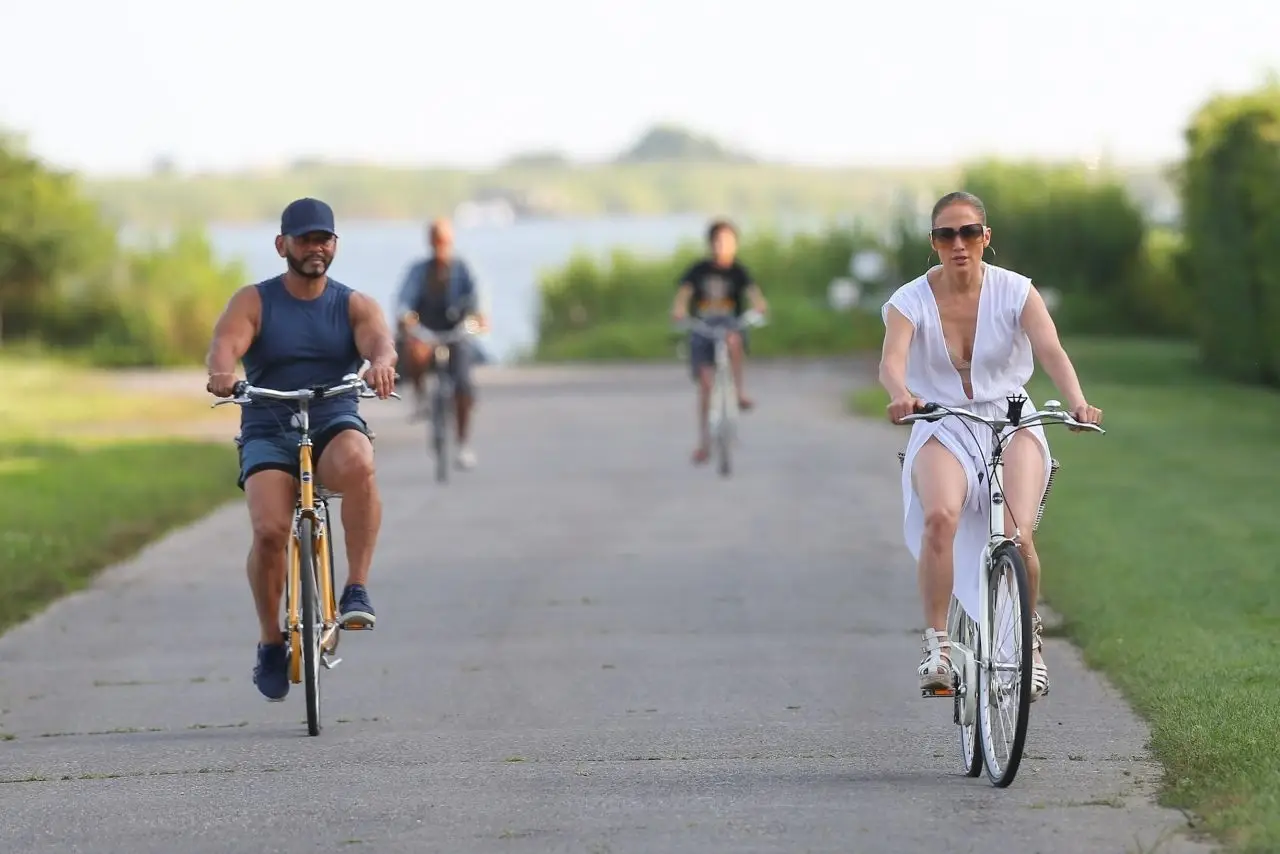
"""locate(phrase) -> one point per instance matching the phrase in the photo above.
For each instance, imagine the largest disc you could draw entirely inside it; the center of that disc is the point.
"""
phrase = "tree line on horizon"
(67, 281)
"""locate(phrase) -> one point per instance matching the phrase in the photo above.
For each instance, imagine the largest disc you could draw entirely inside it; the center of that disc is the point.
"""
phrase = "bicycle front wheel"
(724, 435)
(440, 431)
(1004, 697)
(311, 624)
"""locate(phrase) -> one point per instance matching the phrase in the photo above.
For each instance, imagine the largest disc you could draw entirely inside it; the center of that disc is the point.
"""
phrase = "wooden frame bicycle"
(310, 600)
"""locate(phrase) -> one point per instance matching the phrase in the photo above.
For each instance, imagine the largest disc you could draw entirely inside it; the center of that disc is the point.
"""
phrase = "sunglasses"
(970, 233)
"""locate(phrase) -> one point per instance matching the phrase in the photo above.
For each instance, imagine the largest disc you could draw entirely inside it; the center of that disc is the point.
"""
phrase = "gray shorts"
(461, 359)
(280, 451)
(702, 351)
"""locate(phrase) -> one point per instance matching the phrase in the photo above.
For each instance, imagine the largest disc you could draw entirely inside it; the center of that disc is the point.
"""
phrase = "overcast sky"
(109, 86)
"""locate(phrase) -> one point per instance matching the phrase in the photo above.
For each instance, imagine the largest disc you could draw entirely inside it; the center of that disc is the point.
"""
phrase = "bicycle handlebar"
(734, 324)
(1052, 413)
(243, 393)
(453, 336)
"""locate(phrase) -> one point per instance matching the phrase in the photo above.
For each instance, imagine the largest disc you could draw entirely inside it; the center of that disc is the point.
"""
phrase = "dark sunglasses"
(970, 233)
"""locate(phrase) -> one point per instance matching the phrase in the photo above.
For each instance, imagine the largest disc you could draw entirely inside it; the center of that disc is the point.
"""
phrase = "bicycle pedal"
(942, 693)
(356, 627)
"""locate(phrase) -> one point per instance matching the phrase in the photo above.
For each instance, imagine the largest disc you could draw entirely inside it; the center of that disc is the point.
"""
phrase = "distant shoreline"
(553, 191)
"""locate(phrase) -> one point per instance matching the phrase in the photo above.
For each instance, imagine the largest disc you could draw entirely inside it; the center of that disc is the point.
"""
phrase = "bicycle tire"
(723, 442)
(962, 628)
(724, 433)
(311, 624)
(1002, 773)
(439, 431)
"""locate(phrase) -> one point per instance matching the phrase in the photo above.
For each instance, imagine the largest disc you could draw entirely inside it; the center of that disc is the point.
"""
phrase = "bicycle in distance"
(440, 395)
(722, 408)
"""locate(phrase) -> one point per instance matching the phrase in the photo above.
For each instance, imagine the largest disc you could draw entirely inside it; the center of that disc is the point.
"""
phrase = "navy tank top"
(300, 344)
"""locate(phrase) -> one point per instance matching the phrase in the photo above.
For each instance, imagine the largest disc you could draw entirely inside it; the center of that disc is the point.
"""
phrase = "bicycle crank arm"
(329, 639)
(329, 661)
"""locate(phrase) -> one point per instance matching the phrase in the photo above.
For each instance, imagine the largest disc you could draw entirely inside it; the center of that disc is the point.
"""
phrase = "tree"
(1231, 215)
(668, 142)
(48, 232)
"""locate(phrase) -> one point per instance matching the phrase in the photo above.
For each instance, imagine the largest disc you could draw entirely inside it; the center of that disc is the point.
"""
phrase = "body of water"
(507, 259)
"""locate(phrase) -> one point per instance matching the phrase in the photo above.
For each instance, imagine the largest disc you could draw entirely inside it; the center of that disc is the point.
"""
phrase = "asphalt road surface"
(584, 645)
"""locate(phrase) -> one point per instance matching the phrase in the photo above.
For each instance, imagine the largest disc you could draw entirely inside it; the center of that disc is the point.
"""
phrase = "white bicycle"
(722, 408)
(992, 698)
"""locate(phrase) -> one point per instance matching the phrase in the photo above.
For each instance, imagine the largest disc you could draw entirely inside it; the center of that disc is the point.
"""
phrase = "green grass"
(1160, 543)
(50, 397)
(793, 331)
(77, 497)
(71, 511)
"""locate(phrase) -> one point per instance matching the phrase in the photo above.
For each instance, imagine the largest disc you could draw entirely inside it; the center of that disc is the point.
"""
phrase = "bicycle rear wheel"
(964, 631)
(311, 624)
(1004, 697)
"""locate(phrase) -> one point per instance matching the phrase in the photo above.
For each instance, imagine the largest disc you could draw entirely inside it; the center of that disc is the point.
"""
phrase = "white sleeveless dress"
(1002, 363)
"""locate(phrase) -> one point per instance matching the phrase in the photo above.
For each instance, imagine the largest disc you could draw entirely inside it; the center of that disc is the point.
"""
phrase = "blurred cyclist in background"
(439, 293)
(716, 290)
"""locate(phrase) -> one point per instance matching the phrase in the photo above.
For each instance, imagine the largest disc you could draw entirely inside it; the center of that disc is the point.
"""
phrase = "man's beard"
(305, 268)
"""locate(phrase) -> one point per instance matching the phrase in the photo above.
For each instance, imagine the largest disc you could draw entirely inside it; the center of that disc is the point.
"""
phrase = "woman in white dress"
(966, 334)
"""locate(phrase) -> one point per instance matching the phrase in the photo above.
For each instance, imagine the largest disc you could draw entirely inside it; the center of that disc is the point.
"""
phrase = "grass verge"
(71, 511)
(793, 332)
(76, 497)
(1159, 542)
(59, 398)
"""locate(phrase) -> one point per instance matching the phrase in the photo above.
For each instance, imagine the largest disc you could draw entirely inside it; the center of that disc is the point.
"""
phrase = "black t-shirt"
(717, 291)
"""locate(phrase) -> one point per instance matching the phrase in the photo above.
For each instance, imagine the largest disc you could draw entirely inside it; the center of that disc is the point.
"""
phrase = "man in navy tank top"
(297, 330)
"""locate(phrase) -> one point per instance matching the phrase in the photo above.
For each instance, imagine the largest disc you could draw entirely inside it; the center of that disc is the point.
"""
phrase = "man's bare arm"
(373, 336)
(234, 331)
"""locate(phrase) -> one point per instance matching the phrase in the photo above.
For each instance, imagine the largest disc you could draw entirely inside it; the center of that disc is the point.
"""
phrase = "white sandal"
(935, 666)
(1039, 673)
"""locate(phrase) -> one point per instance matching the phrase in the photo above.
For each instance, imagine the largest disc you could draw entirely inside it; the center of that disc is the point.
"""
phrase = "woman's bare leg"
(940, 483)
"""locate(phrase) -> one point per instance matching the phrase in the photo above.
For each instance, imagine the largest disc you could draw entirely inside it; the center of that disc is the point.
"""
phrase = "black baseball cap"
(305, 216)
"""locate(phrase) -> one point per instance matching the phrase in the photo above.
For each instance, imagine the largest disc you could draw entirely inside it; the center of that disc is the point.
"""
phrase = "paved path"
(585, 645)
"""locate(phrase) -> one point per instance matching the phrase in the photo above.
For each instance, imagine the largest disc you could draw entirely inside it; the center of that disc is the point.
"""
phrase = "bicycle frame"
(440, 343)
(312, 506)
(722, 409)
(997, 535)
(442, 390)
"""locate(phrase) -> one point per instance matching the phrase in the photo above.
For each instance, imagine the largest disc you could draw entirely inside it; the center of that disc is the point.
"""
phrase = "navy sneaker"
(271, 673)
(354, 610)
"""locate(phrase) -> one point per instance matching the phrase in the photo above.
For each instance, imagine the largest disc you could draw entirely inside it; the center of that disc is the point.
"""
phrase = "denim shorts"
(280, 451)
(702, 351)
